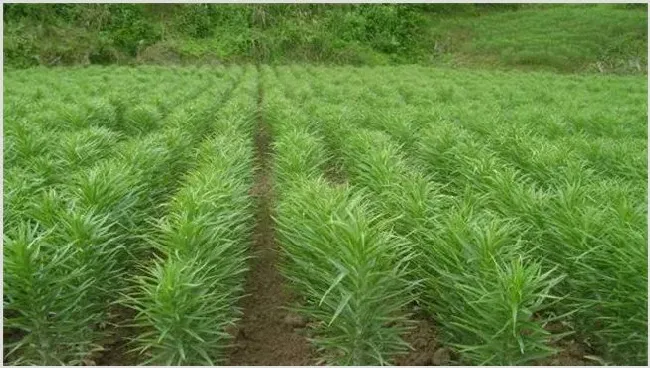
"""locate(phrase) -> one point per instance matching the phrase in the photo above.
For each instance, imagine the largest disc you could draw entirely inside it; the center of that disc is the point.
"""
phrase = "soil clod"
(423, 340)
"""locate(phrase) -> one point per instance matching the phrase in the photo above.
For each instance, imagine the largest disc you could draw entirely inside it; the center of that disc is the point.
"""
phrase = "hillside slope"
(563, 38)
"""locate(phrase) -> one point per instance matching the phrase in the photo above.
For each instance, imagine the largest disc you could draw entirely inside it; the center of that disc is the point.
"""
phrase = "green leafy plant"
(187, 298)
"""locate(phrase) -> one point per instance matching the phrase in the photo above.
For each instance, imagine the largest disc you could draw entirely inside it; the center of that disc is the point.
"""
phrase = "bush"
(392, 28)
(468, 34)
(195, 21)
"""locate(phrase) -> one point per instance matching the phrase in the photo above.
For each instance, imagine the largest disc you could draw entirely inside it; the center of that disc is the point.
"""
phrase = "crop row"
(38, 160)
(41, 96)
(67, 254)
(343, 261)
(561, 135)
(454, 271)
(125, 113)
(593, 233)
(187, 297)
(513, 216)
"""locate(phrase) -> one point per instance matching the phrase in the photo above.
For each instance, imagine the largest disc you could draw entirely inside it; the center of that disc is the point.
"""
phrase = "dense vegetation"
(507, 208)
(510, 207)
(86, 174)
(598, 38)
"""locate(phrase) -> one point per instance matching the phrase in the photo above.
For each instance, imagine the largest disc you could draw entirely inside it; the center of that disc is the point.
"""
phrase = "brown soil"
(426, 350)
(572, 352)
(116, 349)
(268, 334)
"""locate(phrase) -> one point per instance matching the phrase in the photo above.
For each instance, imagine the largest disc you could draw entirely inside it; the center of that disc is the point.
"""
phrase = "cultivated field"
(338, 215)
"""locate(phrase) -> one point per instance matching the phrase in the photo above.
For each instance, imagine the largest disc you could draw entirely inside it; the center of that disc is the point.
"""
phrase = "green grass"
(592, 38)
(568, 38)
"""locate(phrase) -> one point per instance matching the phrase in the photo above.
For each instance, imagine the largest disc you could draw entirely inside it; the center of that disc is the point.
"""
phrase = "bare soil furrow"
(268, 333)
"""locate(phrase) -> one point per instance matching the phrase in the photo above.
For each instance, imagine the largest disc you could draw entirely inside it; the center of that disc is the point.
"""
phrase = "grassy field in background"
(601, 38)
(570, 38)
(509, 208)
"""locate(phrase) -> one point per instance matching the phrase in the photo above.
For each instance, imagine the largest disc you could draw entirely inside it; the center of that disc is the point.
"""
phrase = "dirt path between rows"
(268, 334)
